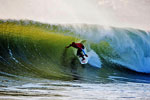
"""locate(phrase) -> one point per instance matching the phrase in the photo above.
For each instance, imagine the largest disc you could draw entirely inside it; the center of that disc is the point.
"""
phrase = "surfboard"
(83, 61)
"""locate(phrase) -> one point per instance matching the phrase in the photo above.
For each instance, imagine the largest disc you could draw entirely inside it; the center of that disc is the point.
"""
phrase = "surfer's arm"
(68, 46)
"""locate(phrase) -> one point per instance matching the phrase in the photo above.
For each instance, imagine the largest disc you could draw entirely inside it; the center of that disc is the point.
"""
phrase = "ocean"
(35, 65)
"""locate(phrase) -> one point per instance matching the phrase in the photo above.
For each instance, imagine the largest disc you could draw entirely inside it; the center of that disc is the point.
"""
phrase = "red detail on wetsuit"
(77, 45)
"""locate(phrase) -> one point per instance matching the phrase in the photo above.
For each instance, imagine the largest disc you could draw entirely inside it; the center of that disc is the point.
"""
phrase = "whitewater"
(34, 63)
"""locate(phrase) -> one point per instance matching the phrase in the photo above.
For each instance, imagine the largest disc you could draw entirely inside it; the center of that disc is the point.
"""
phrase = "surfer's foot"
(83, 59)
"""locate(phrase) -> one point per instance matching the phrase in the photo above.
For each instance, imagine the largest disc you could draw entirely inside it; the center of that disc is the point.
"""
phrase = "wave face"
(34, 49)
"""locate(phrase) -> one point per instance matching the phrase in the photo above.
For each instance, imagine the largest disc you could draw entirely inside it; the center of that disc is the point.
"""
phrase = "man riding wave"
(80, 48)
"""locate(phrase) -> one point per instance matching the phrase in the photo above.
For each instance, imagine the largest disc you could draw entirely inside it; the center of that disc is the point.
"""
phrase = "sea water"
(35, 65)
(61, 90)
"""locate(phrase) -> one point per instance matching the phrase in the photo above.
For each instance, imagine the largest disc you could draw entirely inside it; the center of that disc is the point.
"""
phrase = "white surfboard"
(83, 61)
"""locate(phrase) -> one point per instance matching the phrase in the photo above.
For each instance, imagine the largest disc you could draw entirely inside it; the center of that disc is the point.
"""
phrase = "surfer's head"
(73, 42)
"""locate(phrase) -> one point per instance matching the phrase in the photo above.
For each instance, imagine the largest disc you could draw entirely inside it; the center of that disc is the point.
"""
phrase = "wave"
(124, 46)
(30, 48)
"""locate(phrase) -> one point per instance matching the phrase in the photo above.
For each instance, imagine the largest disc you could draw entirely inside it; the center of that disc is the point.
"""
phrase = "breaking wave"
(34, 49)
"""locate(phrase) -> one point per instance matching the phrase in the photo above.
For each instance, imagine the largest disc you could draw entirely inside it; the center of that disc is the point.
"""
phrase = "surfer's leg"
(80, 54)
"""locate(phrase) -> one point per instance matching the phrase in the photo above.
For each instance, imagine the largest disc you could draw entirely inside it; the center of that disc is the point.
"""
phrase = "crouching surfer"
(80, 48)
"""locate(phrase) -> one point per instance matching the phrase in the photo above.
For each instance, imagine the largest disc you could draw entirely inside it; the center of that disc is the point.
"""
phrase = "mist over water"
(120, 13)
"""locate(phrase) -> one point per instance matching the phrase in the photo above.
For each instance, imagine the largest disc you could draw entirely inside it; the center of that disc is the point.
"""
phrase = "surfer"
(80, 48)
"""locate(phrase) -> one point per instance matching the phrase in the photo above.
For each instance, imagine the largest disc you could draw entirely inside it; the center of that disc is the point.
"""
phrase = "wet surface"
(59, 90)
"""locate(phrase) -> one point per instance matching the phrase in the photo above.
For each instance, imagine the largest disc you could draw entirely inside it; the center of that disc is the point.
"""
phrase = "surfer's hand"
(67, 46)
(86, 55)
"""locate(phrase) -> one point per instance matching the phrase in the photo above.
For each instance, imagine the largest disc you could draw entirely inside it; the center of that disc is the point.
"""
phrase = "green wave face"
(30, 50)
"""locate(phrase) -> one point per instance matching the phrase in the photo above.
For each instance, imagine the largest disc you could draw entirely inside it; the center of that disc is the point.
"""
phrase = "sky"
(119, 13)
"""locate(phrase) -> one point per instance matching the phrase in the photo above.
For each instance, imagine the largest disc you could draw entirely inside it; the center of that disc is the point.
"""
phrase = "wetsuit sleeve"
(83, 51)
